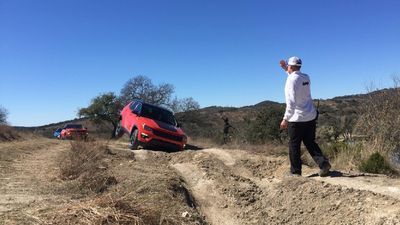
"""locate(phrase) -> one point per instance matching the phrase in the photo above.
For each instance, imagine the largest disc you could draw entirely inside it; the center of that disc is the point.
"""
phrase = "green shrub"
(376, 163)
(265, 127)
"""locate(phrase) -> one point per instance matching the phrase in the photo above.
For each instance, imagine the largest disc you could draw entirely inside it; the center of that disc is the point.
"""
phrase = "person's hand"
(283, 64)
(284, 124)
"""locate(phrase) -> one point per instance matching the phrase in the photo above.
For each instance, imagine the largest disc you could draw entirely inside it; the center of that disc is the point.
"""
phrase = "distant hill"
(207, 122)
(47, 130)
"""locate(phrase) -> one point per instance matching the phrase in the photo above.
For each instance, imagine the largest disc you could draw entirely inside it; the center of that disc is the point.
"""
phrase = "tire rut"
(237, 187)
(26, 184)
(224, 196)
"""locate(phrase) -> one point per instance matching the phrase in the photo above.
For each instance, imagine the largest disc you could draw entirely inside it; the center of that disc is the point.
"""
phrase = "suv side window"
(136, 107)
(133, 105)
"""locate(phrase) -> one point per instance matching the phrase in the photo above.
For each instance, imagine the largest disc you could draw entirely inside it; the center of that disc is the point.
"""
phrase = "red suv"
(150, 126)
(74, 131)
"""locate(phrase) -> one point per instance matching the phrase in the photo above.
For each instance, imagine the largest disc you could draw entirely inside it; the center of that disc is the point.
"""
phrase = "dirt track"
(235, 187)
(228, 187)
(28, 171)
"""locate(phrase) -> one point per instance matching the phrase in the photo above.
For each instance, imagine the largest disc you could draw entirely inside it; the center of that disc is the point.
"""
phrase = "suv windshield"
(73, 126)
(157, 113)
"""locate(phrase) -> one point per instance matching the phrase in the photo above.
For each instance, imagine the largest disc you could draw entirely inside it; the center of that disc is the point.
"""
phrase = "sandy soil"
(210, 186)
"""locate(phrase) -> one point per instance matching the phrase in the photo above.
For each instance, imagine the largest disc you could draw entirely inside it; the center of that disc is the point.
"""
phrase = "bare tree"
(184, 105)
(380, 119)
(3, 115)
(141, 87)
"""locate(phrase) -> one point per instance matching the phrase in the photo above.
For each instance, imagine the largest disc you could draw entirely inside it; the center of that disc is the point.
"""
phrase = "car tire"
(119, 131)
(134, 140)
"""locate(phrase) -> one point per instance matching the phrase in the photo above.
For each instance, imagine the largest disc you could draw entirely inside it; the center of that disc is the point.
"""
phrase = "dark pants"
(303, 132)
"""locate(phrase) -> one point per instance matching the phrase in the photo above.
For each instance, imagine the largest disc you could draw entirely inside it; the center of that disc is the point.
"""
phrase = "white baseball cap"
(294, 61)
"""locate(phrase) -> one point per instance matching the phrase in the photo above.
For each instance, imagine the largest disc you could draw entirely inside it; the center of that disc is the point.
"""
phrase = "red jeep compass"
(150, 126)
(74, 131)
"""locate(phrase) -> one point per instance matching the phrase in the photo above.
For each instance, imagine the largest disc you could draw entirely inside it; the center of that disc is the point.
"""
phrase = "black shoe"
(324, 171)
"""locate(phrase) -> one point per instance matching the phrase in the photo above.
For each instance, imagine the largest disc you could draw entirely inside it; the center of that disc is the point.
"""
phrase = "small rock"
(185, 214)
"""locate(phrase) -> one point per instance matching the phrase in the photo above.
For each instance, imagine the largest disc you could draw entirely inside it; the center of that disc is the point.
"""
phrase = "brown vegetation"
(8, 133)
(210, 186)
(380, 123)
(85, 162)
(117, 189)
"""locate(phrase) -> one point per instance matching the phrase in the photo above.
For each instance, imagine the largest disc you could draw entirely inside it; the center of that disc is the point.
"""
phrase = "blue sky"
(55, 56)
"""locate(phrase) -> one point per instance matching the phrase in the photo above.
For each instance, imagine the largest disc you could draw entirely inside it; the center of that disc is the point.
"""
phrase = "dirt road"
(28, 172)
(224, 187)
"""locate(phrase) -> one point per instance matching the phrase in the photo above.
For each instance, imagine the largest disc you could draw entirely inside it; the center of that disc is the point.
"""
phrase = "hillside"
(207, 122)
(103, 130)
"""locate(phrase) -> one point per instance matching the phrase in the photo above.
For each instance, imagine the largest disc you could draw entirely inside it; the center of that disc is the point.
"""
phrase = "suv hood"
(164, 126)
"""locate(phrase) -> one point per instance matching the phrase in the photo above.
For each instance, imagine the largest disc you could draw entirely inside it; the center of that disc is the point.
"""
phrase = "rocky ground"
(208, 186)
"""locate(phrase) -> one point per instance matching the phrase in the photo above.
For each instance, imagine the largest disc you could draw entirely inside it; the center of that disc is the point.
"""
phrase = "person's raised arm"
(283, 65)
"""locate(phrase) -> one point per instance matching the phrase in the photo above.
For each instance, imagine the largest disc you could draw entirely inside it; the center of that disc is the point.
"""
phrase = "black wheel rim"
(134, 138)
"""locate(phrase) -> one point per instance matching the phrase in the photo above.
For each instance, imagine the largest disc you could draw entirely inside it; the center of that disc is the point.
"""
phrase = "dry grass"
(8, 133)
(85, 162)
(148, 192)
(344, 156)
(380, 122)
(102, 210)
(11, 151)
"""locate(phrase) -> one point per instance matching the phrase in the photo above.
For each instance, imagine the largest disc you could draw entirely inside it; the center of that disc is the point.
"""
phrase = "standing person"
(227, 126)
(300, 118)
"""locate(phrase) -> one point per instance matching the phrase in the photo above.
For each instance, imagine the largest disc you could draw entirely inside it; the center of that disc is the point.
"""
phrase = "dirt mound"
(307, 201)
(238, 188)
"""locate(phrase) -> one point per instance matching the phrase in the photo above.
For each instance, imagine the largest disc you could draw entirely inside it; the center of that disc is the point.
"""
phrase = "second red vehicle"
(150, 126)
(74, 131)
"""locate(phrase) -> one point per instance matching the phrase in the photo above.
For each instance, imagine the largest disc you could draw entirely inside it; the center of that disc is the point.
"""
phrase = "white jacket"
(299, 104)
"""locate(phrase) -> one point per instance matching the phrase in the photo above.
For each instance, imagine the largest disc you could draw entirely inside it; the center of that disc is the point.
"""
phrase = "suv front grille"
(167, 136)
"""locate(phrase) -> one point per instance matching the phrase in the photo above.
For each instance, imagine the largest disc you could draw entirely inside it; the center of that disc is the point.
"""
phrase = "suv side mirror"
(178, 125)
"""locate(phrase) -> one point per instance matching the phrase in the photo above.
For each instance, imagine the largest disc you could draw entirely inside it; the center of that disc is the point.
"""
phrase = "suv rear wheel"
(118, 131)
(134, 140)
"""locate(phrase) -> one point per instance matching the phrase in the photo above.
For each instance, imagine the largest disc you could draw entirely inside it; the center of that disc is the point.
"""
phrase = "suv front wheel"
(134, 140)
